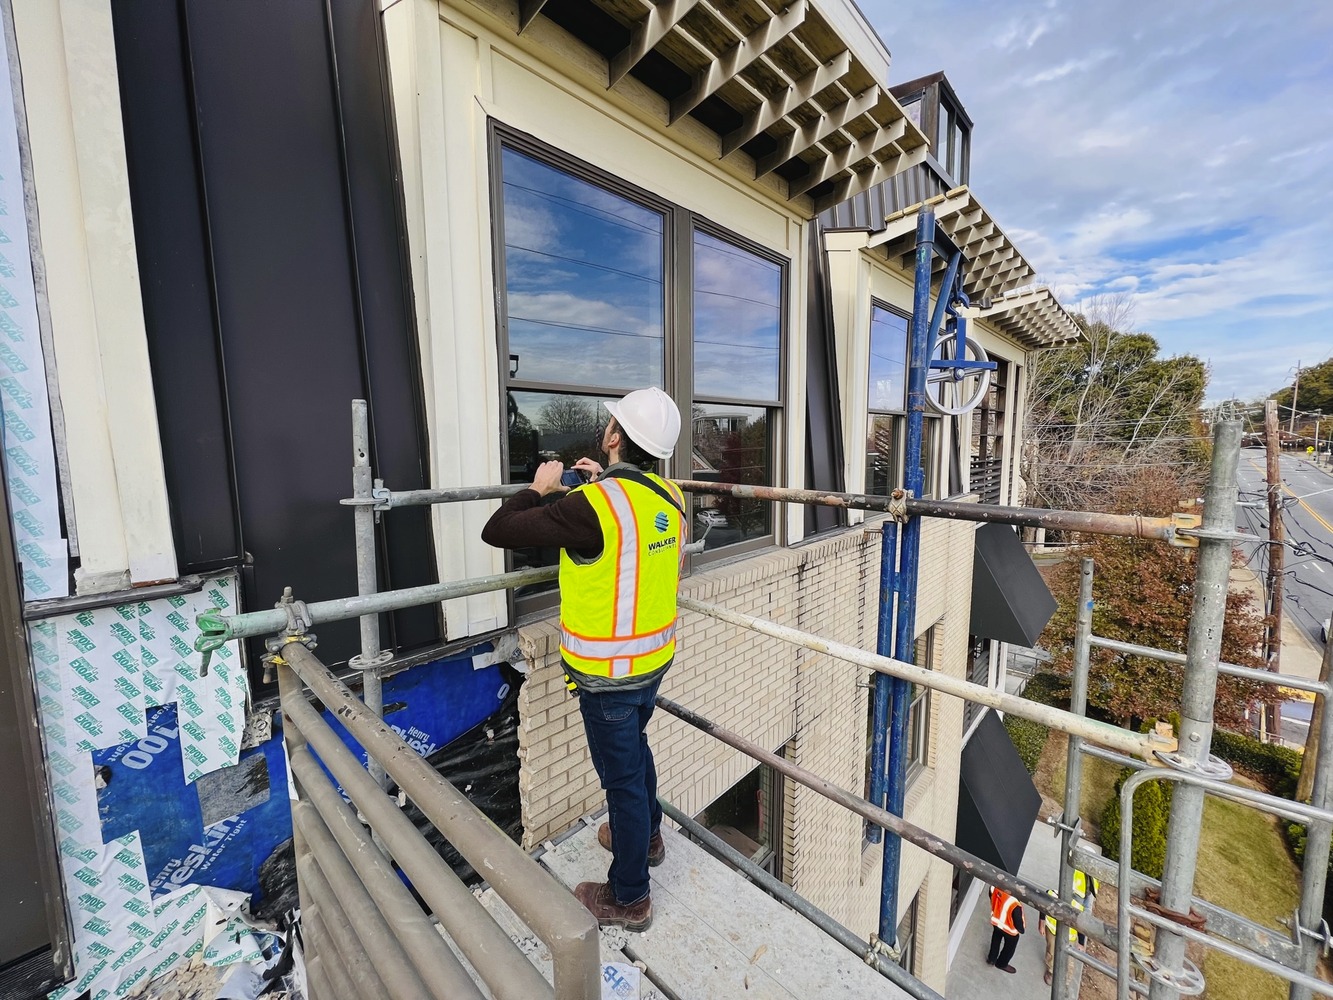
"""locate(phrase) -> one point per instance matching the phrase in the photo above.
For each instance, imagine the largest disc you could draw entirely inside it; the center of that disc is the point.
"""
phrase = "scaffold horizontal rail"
(1179, 529)
(1230, 669)
(1142, 744)
(1021, 889)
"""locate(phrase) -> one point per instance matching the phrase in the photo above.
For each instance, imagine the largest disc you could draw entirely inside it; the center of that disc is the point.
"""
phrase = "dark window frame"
(679, 226)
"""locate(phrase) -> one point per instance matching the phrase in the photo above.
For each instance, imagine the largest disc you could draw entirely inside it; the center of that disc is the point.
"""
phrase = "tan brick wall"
(781, 696)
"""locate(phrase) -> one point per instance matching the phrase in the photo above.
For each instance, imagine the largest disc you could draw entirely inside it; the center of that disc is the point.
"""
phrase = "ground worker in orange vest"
(621, 537)
(1006, 917)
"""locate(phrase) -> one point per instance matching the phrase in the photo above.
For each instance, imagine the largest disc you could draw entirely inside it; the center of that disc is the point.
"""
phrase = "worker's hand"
(585, 464)
(547, 479)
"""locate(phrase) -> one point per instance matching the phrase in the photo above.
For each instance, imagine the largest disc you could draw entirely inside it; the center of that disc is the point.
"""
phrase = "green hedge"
(1277, 767)
(1047, 688)
(1029, 738)
(1152, 811)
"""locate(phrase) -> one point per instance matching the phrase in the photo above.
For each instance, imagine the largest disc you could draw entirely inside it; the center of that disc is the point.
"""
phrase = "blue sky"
(1178, 152)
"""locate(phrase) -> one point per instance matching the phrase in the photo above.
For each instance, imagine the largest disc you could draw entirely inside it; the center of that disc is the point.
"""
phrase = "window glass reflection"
(584, 289)
(737, 321)
(546, 426)
(888, 360)
(886, 455)
(732, 444)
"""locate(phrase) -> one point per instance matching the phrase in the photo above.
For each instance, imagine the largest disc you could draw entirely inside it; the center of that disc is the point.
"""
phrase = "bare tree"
(1107, 410)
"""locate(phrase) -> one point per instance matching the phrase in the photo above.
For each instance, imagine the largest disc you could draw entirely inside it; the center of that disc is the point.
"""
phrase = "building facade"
(484, 218)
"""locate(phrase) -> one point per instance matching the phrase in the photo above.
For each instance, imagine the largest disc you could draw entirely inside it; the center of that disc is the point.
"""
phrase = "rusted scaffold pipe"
(1175, 529)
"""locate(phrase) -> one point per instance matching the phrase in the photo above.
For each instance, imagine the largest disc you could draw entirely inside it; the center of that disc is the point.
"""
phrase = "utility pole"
(1305, 786)
(1295, 388)
(1271, 718)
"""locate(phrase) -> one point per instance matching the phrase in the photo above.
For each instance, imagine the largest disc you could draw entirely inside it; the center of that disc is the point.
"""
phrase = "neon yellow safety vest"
(618, 611)
(1051, 923)
(1081, 884)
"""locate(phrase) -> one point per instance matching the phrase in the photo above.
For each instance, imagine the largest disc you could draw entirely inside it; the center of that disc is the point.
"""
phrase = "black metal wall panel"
(380, 242)
(276, 289)
(174, 274)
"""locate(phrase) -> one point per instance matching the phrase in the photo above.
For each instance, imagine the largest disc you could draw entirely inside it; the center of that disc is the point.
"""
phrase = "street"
(1308, 585)
(1308, 517)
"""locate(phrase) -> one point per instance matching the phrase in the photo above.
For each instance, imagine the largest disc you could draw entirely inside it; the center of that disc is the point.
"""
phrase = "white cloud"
(1142, 147)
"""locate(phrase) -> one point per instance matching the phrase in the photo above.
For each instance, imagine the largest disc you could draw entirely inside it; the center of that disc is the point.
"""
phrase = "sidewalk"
(970, 978)
(1299, 655)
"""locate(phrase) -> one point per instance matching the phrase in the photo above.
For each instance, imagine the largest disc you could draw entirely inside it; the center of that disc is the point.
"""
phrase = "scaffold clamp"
(877, 946)
(898, 504)
(1298, 931)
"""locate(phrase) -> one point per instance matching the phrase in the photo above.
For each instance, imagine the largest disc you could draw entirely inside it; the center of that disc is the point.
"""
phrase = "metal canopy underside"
(997, 802)
(1033, 317)
(801, 88)
(994, 265)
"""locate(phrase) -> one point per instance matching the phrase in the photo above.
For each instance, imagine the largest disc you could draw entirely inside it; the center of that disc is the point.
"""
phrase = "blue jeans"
(616, 724)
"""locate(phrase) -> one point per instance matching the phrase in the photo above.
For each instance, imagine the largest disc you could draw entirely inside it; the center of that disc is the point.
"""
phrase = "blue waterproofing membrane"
(222, 829)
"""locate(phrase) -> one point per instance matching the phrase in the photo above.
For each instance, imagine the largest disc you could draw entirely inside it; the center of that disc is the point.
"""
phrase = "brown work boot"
(601, 903)
(656, 846)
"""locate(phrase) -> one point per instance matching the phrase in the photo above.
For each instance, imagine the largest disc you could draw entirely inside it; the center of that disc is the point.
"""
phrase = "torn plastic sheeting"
(222, 830)
(30, 459)
(483, 765)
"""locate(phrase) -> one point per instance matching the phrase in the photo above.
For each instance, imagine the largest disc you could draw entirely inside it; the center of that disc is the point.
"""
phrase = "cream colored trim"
(72, 102)
(442, 143)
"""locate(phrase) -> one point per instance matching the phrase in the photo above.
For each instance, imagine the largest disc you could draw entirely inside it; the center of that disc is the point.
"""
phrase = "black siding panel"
(169, 229)
(392, 362)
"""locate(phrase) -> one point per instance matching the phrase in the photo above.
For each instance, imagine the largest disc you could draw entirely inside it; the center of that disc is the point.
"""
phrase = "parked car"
(710, 518)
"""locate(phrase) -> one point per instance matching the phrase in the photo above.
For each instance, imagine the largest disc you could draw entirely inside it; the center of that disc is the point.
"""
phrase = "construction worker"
(1082, 883)
(1006, 917)
(621, 537)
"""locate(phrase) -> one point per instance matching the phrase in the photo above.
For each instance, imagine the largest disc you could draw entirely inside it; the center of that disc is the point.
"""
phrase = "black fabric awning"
(1010, 600)
(997, 802)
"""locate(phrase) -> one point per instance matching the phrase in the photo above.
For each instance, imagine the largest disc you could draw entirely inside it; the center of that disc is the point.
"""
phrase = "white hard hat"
(650, 418)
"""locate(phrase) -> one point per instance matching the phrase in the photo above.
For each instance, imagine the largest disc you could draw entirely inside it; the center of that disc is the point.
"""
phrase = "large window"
(886, 433)
(606, 289)
(738, 297)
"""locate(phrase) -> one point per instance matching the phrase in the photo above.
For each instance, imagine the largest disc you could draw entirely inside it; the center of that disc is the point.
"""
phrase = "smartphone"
(573, 477)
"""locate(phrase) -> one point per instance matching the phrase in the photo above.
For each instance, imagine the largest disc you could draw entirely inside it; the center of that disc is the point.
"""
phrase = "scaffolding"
(367, 937)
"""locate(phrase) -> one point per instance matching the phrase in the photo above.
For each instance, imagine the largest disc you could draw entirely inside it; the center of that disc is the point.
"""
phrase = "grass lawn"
(1099, 778)
(1243, 866)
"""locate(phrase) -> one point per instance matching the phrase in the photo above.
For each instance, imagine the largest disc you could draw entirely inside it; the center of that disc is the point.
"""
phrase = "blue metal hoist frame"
(899, 568)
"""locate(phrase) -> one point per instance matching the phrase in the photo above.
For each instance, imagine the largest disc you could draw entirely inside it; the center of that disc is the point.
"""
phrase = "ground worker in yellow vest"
(1084, 886)
(1006, 917)
(621, 538)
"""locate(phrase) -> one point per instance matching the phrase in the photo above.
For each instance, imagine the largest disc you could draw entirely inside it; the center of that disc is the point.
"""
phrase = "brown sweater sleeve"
(523, 521)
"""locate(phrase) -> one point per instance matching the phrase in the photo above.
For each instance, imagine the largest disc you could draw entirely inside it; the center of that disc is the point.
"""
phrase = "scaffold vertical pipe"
(883, 686)
(908, 559)
(367, 576)
(1202, 652)
(1314, 871)
(1069, 822)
